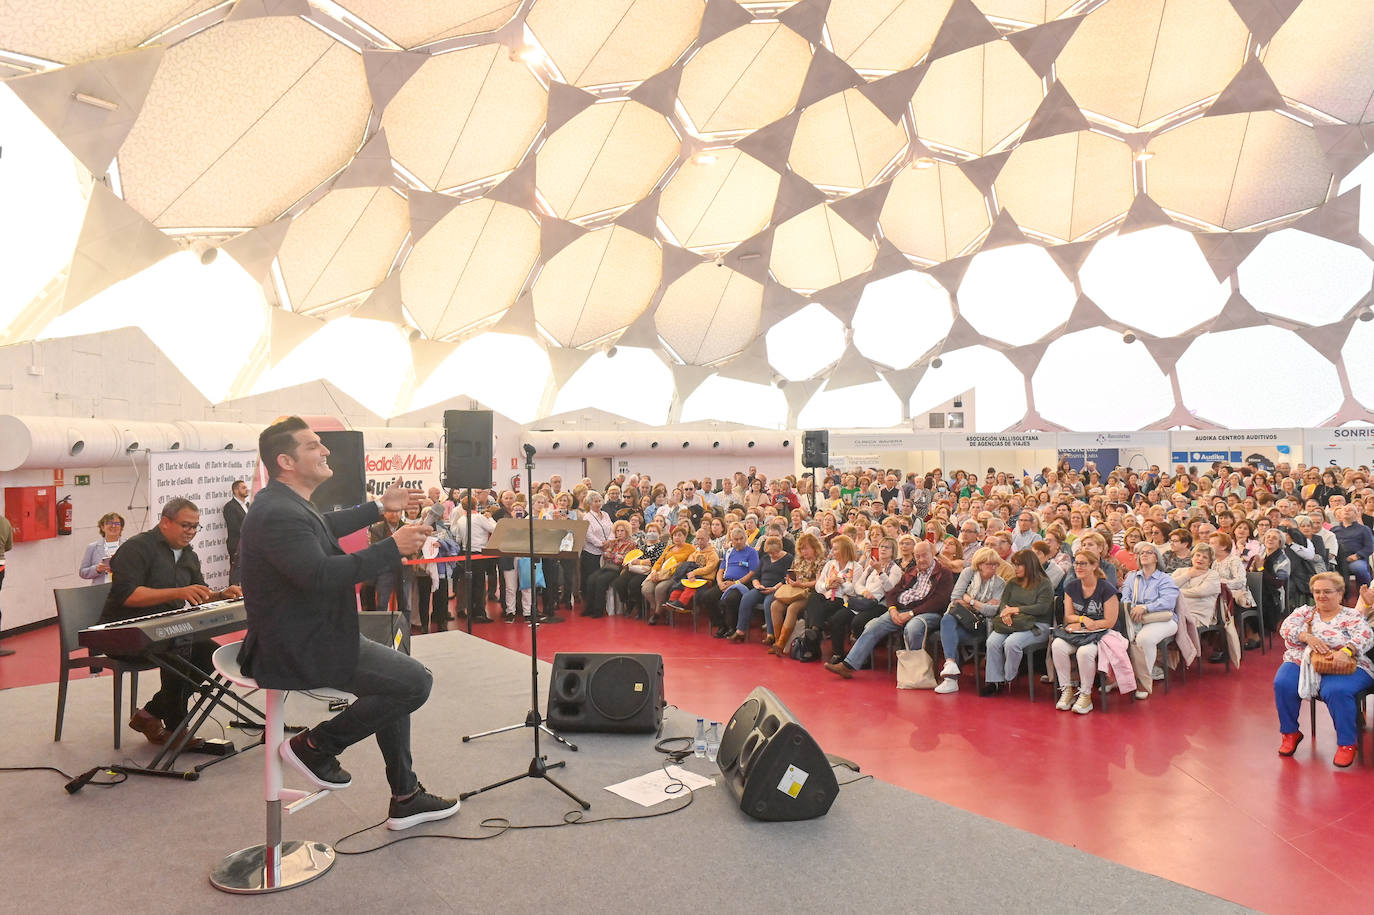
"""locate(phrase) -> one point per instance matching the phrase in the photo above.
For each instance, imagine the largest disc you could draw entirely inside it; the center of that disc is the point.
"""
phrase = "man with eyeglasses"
(154, 572)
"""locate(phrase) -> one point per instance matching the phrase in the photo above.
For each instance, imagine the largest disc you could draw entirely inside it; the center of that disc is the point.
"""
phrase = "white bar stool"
(274, 865)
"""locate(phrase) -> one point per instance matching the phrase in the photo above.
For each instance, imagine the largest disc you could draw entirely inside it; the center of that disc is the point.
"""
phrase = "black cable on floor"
(571, 818)
(77, 782)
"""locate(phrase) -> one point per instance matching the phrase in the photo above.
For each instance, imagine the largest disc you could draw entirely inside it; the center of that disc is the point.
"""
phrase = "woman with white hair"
(599, 532)
(1149, 597)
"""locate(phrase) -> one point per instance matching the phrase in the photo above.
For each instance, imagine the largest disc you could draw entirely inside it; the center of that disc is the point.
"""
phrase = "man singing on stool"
(303, 621)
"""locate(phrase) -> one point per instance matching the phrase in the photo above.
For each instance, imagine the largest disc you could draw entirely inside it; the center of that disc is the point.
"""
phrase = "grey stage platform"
(148, 845)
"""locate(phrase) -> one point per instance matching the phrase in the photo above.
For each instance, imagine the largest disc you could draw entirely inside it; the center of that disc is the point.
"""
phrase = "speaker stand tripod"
(539, 765)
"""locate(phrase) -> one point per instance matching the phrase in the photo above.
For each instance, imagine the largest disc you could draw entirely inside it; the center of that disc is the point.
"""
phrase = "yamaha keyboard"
(158, 631)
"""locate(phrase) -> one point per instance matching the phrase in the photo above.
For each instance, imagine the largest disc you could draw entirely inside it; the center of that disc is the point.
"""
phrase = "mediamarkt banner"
(207, 479)
(418, 469)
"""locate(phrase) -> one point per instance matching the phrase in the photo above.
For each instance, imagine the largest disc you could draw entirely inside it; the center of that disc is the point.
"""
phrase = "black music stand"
(543, 540)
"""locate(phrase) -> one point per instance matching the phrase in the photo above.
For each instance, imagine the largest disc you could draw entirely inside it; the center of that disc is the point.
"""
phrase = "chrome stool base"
(246, 871)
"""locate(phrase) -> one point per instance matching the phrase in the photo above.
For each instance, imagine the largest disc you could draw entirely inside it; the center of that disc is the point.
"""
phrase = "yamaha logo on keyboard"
(173, 630)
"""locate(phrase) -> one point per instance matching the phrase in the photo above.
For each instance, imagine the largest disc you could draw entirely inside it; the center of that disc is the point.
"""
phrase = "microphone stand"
(539, 765)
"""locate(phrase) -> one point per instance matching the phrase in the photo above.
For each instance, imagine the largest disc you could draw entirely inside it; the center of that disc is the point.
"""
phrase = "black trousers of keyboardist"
(169, 703)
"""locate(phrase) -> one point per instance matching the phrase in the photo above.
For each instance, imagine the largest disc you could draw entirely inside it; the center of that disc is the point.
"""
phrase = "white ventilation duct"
(607, 443)
(145, 436)
(217, 436)
(37, 442)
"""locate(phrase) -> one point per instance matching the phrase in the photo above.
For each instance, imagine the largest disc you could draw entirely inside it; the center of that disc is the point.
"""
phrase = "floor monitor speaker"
(816, 449)
(772, 765)
(348, 485)
(385, 627)
(612, 693)
(467, 449)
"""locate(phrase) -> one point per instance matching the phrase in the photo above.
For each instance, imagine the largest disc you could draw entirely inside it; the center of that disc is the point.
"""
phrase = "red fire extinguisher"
(64, 515)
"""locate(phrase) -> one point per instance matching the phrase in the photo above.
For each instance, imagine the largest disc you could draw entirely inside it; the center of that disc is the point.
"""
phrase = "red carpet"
(1186, 786)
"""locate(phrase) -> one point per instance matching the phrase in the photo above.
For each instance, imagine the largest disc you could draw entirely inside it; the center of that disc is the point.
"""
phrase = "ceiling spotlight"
(925, 162)
(611, 351)
(527, 53)
(1128, 337)
(958, 403)
(936, 362)
(207, 257)
(1366, 315)
(720, 260)
(705, 158)
(1144, 156)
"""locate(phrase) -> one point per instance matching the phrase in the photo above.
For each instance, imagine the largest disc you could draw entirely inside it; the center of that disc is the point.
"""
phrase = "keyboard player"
(154, 572)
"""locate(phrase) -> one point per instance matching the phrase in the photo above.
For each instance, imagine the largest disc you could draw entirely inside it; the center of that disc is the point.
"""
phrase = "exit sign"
(83, 479)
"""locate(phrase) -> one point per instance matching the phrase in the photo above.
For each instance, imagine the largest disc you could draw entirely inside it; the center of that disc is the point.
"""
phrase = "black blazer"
(233, 525)
(298, 589)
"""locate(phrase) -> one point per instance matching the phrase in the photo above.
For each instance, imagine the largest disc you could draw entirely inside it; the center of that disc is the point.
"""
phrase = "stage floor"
(149, 843)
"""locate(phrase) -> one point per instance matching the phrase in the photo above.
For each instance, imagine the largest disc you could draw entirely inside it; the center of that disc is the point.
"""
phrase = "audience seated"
(973, 602)
(1325, 628)
(1128, 558)
(1022, 620)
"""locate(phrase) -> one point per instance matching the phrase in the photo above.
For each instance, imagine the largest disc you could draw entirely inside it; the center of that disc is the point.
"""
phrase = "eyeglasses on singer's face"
(190, 527)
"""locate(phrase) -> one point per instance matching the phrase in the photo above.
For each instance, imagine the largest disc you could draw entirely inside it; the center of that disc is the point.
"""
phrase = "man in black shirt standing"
(154, 572)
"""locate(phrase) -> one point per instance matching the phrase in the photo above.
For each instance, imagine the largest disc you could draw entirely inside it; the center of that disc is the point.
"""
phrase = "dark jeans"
(832, 617)
(398, 580)
(472, 597)
(434, 608)
(388, 686)
(587, 566)
(725, 611)
(1271, 605)
(169, 702)
(627, 588)
(567, 574)
(597, 584)
(866, 609)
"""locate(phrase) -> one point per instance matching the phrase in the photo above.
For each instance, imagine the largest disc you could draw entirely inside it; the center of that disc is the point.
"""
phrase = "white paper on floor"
(654, 787)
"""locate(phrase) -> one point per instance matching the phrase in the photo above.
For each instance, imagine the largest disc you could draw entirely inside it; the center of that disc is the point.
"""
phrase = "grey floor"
(148, 845)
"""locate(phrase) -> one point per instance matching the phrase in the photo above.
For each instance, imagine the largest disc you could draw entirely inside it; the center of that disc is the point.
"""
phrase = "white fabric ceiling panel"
(709, 313)
(612, 41)
(417, 22)
(596, 285)
(72, 31)
(465, 115)
(934, 212)
(470, 266)
(295, 116)
(343, 245)
(744, 79)
(608, 156)
(718, 200)
(1136, 62)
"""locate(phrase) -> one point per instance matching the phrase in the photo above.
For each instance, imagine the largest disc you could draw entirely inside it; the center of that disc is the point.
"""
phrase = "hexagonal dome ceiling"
(802, 195)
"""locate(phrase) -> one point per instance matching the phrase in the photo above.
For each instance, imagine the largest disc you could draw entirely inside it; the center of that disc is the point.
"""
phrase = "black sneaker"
(421, 807)
(320, 769)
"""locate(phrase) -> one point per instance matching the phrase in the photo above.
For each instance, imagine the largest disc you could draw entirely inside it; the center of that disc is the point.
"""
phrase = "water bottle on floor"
(713, 741)
(699, 745)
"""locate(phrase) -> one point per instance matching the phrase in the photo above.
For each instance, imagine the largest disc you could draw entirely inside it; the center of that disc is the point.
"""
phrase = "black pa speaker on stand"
(610, 693)
(467, 449)
(348, 486)
(816, 449)
(772, 765)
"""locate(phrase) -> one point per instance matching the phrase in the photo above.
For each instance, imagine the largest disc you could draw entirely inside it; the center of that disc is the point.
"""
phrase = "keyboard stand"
(212, 690)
